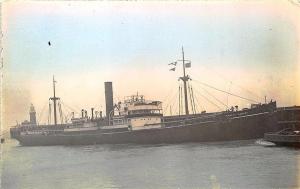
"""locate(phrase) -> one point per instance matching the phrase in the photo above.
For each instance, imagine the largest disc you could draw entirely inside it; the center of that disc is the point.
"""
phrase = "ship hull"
(240, 128)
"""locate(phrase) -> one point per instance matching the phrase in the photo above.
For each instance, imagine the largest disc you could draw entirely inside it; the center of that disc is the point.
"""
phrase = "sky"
(249, 48)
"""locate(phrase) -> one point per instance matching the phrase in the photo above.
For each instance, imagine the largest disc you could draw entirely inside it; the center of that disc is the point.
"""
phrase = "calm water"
(241, 164)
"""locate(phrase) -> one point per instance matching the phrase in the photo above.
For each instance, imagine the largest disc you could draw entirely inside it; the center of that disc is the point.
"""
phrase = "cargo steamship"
(141, 121)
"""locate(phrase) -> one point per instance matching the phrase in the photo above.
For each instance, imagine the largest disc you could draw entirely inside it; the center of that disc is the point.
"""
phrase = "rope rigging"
(208, 99)
(40, 115)
(171, 100)
(220, 90)
(60, 113)
(69, 107)
(174, 103)
(207, 92)
(191, 98)
(62, 116)
(231, 82)
(199, 105)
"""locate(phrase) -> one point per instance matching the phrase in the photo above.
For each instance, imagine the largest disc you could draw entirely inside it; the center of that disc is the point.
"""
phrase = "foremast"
(54, 99)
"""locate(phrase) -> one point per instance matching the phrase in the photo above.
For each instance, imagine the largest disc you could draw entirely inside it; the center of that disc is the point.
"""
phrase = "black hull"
(240, 128)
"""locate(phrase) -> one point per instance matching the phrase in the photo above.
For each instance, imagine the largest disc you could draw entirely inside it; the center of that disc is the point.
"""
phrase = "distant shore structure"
(32, 117)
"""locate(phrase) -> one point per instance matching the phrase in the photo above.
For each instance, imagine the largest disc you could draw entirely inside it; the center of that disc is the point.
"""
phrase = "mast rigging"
(184, 78)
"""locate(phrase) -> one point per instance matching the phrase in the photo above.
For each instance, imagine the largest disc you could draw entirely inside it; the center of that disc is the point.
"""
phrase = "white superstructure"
(138, 113)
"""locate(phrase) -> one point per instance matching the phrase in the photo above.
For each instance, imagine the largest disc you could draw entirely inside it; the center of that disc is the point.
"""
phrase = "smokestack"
(109, 98)
(92, 113)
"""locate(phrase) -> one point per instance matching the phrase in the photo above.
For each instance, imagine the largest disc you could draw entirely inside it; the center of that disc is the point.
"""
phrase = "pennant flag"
(173, 63)
(172, 69)
(188, 65)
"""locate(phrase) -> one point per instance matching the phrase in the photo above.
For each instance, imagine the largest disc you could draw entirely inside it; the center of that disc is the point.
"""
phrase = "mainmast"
(185, 79)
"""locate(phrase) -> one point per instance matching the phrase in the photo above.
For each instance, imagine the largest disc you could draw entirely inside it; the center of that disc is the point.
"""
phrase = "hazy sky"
(250, 48)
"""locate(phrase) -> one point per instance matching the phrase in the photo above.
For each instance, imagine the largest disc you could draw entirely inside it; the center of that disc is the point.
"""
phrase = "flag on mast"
(173, 63)
(188, 65)
(172, 69)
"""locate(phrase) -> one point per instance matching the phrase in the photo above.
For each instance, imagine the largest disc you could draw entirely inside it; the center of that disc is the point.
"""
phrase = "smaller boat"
(285, 137)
